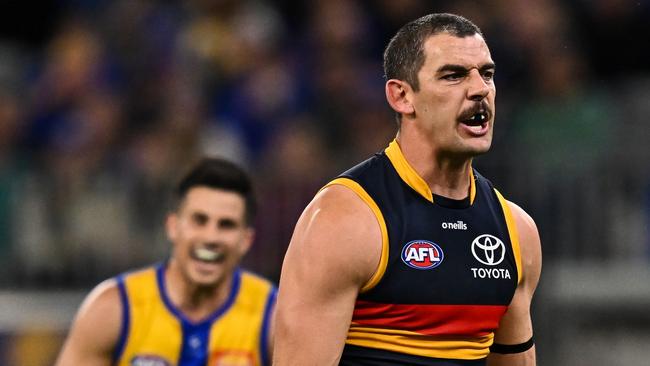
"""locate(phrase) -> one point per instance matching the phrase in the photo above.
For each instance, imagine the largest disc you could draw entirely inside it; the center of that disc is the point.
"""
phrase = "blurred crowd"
(103, 104)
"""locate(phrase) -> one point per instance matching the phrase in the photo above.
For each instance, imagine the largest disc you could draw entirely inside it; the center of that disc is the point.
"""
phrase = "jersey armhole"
(124, 331)
(266, 326)
(365, 197)
(512, 231)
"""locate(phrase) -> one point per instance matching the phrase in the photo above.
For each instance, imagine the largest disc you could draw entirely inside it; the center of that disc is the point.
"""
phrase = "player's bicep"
(515, 331)
(338, 233)
(531, 250)
(334, 251)
(95, 329)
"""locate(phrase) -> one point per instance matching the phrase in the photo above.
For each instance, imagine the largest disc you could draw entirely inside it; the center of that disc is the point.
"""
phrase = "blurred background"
(103, 104)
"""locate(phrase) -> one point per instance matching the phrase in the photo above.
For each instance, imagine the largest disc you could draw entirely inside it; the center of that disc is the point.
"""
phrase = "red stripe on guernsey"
(433, 320)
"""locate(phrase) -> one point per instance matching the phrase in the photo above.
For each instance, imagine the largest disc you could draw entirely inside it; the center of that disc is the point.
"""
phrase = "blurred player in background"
(197, 308)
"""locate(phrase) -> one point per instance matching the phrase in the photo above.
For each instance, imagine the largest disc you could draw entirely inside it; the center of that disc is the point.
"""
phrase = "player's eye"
(453, 76)
(227, 224)
(488, 75)
(199, 219)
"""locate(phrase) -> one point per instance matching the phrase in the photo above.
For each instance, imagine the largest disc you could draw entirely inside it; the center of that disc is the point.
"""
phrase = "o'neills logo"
(458, 225)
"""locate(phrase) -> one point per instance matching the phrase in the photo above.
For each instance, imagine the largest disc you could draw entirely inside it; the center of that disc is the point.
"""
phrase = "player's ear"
(170, 226)
(398, 94)
(247, 241)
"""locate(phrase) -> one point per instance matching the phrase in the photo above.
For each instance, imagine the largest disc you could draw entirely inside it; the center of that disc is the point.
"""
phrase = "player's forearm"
(312, 349)
(308, 337)
(526, 358)
(297, 356)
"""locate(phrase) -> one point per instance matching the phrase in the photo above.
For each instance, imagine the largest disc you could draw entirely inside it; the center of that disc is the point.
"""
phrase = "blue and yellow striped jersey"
(155, 332)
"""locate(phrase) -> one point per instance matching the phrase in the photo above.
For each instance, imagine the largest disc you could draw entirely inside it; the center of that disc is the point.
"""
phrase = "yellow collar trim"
(411, 177)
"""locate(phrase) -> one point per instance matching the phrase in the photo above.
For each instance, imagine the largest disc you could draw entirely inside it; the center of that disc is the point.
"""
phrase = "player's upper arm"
(334, 251)
(531, 252)
(95, 329)
(516, 326)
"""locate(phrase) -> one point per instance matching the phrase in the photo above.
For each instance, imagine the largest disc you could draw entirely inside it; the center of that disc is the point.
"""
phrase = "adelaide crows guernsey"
(155, 332)
(447, 273)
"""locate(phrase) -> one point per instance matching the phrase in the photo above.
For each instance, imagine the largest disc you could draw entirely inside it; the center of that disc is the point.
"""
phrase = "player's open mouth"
(207, 255)
(477, 122)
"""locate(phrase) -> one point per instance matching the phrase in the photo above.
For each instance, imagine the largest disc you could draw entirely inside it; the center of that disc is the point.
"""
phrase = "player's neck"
(446, 175)
(196, 302)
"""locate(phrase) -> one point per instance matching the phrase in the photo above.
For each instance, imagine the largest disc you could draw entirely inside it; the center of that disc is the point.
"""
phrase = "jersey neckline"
(162, 287)
(418, 184)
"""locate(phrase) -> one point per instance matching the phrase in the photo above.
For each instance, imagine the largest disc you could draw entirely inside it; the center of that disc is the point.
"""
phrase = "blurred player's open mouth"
(208, 254)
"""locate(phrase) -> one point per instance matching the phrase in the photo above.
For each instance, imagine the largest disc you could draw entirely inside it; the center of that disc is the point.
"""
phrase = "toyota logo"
(488, 249)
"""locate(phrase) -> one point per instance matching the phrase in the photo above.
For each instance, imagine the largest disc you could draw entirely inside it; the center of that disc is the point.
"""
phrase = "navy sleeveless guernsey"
(447, 272)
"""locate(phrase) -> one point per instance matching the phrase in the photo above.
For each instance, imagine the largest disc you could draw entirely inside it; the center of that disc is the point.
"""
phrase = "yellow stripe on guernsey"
(514, 234)
(383, 261)
(411, 177)
(402, 341)
(157, 333)
(149, 321)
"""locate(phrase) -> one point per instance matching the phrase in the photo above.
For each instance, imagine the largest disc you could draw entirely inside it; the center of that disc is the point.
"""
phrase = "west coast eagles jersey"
(155, 332)
(447, 272)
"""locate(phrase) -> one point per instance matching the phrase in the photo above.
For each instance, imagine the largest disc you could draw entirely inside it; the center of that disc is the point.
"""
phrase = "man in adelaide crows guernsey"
(198, 307)
(412, 257)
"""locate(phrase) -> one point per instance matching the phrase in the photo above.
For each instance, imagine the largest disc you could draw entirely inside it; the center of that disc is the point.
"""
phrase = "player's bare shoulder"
(530, 243)
(339, 223)
(95, 329)
(101, 313)
(522, 217)
(103, 299)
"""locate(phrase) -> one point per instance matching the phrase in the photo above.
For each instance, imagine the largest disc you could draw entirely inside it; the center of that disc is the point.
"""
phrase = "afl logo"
(422, 254)
(488, 249)
(148, 360)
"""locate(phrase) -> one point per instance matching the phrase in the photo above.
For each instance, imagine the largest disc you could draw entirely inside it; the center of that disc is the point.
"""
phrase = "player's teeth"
(206, 254)
(476, 128)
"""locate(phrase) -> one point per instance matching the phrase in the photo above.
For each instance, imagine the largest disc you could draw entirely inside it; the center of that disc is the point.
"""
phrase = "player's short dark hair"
(404, 55)
(222, 174)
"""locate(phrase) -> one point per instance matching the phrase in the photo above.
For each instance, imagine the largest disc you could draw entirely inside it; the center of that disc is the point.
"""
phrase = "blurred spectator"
(564, 120)
(614, 33)
(565, 127)
(77, 193)
(295, 165)
(11, 170)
